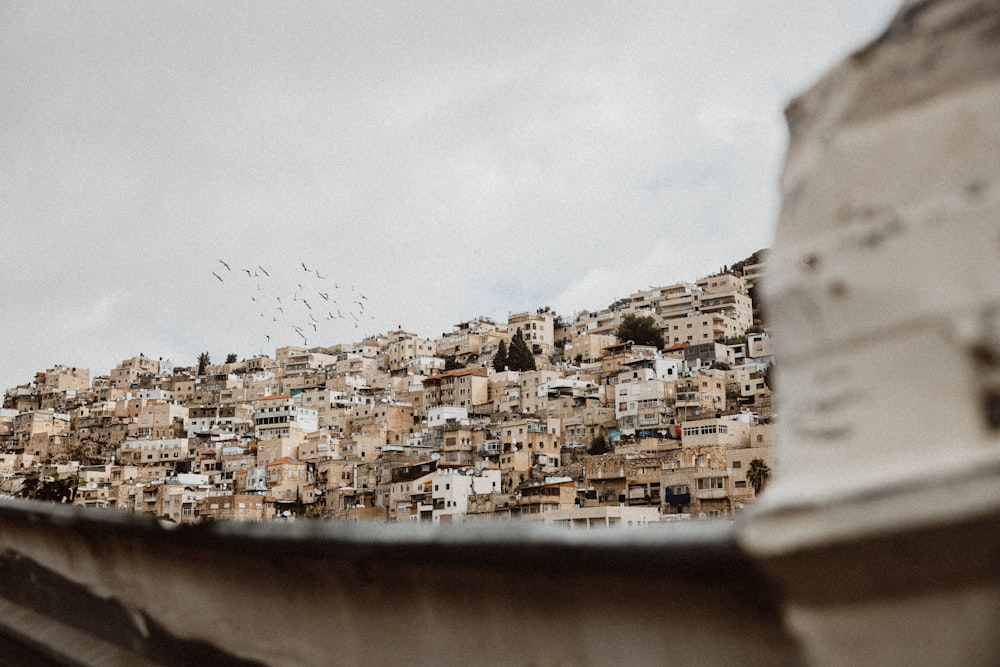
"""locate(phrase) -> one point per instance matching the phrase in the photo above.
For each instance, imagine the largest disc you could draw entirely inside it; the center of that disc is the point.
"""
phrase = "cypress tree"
(500, 361)
(519, 357)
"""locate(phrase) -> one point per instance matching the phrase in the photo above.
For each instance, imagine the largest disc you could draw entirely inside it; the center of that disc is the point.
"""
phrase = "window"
(737, 464)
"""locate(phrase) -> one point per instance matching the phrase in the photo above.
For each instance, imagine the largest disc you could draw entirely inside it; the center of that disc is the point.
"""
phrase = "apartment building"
(453, 486)
(465, 342)
(276, 416)
(644, 402)
(537, 500)
(129, 371)
(537, 329)
(156, 453)
(462, 387)
(403, 347)
(236, 507)
(588, 347)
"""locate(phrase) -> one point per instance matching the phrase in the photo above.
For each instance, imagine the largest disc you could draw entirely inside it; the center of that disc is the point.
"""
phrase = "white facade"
(452, 488)
(439, 415)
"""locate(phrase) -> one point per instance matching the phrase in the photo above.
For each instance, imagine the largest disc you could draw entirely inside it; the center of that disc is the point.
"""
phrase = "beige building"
(538, 500)
(164, 453)
(515, 468)
(289, 479)
(402, 348)
(129, 371)
(603, 322)
(463, 387)
(536, 328)
(243, 507)
(699, 396)
(277, 416)
(61, 380)
(32, 432)
(273, 449)
(411, 491)
(606, 475)
(160, 419)
(707, 476)
(465, 342)
(643, 402)
(701, 328)
(727, 294)
(588, 347)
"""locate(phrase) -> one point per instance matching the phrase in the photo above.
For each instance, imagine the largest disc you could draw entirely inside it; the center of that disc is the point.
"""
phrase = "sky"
(445, 160)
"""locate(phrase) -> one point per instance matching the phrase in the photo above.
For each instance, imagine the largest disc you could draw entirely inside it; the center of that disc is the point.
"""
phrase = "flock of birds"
(305, 302)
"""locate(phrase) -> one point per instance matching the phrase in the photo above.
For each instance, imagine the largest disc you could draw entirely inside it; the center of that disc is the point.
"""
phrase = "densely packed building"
(402, 428)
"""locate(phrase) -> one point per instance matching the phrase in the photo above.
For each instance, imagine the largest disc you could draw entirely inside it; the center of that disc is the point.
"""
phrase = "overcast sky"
(444, 159)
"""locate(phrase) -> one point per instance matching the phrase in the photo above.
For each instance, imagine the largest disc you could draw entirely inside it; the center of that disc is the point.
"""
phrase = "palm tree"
(758, 473)
(203, 361)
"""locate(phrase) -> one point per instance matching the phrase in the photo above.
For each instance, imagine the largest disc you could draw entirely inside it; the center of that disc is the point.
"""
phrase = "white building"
(453, 486)
(275, 416)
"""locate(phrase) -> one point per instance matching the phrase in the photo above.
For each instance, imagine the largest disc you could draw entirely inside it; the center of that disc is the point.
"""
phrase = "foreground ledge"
(98, 587)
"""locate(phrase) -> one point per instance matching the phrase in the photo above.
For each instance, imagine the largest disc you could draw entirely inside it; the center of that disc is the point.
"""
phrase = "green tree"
(599, 445)
(758, 473)
(55, 490)
(641, 330)
(231, 358)
(519, 357)
(451, 363)
(500, 358)
(203, 362)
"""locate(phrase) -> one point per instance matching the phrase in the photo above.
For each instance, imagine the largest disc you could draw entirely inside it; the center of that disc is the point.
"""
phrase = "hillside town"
(654, 409)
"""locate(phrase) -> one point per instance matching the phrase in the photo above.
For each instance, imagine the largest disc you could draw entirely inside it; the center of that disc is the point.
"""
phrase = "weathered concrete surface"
(883, 522)
(878, 541)
(321, 593)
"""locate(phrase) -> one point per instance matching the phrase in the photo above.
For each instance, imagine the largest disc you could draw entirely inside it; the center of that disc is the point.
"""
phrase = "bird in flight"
(303, 266)
(262, 269)
(319, 276)
(247, 271)
(225, 265)
(218, 276)
(326, 297)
